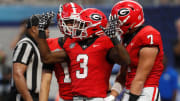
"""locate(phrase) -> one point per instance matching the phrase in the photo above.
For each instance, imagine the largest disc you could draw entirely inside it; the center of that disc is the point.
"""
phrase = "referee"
(27, 65)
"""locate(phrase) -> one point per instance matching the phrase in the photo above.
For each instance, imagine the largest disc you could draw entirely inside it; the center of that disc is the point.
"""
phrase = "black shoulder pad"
(61, 41)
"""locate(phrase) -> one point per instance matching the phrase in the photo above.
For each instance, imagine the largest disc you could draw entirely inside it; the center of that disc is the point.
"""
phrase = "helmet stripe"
(73, 7)
(140, 23)
(60, 9)
(132, 2)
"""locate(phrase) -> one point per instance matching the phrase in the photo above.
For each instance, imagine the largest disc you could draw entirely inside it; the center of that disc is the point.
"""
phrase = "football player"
(65, 16)
(91, 54)
(144, 45)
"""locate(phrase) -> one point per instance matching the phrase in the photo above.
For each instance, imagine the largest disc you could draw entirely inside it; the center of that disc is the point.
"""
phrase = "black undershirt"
(128, 37)
(87, 42)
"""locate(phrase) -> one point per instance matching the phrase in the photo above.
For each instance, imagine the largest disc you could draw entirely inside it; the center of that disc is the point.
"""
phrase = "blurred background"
(162, 14)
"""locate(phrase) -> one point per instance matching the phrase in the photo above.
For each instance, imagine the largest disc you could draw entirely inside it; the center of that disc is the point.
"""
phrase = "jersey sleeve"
(23, 53)
(53, 44)
(49, 40)
(150, 39)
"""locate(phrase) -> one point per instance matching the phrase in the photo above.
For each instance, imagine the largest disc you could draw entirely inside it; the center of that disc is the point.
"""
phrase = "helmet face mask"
(66, 16)
(130, 15)
(66, 26)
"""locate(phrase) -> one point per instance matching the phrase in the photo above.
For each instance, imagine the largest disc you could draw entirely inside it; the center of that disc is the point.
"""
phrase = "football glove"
(44, 21)
(111, 30)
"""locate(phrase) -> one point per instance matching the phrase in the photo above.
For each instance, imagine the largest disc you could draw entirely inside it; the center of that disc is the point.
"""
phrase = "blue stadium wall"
(162, 18)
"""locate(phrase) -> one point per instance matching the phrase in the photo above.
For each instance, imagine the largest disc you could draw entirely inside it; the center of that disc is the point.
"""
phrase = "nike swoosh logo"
(95, 45)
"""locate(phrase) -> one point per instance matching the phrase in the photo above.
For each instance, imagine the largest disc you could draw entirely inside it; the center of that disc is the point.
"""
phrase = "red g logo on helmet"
(130, 15)
(96, 17)
(123, 12)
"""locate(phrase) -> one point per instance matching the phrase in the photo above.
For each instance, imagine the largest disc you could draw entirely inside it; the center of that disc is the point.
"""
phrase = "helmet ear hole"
(132, 8)
(127, 24)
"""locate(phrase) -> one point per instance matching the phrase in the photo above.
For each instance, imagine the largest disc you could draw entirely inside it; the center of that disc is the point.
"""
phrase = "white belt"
(79, 98)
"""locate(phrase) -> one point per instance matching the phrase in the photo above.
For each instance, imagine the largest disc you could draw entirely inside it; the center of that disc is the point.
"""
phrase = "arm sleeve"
(23, 53)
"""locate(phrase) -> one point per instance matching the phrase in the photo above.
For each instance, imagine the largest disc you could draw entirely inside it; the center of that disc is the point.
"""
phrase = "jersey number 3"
(83, 65)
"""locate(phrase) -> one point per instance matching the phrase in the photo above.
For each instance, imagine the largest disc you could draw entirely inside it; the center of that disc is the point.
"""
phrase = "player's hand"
(109, 98)
(45, 19)
(111, 30)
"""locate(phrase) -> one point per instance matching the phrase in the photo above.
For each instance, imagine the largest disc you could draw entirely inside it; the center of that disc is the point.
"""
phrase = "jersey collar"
(31, 38)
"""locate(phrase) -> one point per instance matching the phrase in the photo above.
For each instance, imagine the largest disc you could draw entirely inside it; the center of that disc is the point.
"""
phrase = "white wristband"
(117, 87)
(110, 98)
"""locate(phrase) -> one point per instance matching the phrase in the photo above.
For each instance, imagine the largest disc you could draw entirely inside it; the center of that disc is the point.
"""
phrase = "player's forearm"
(120, 55)
(21, 86)
(123, 54)
(136, 87)
(119, 84)
(146, 61)
(44, 49)
(49, 57)
(121, 76)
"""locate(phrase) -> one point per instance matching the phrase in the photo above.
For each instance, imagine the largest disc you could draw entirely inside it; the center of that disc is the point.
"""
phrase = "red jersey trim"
(154, 94)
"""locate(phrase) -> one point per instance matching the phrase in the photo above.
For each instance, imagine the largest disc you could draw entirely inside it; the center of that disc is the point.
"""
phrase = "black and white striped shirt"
(26, 52)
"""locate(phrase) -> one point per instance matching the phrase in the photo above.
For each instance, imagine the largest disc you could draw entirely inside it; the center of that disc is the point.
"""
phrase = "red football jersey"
(62, 72)
(146, 37)
(90, 68)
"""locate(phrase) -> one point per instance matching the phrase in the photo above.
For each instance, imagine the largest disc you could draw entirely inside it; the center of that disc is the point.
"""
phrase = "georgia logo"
(123, 12)
(72, 45)
(95, 17)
